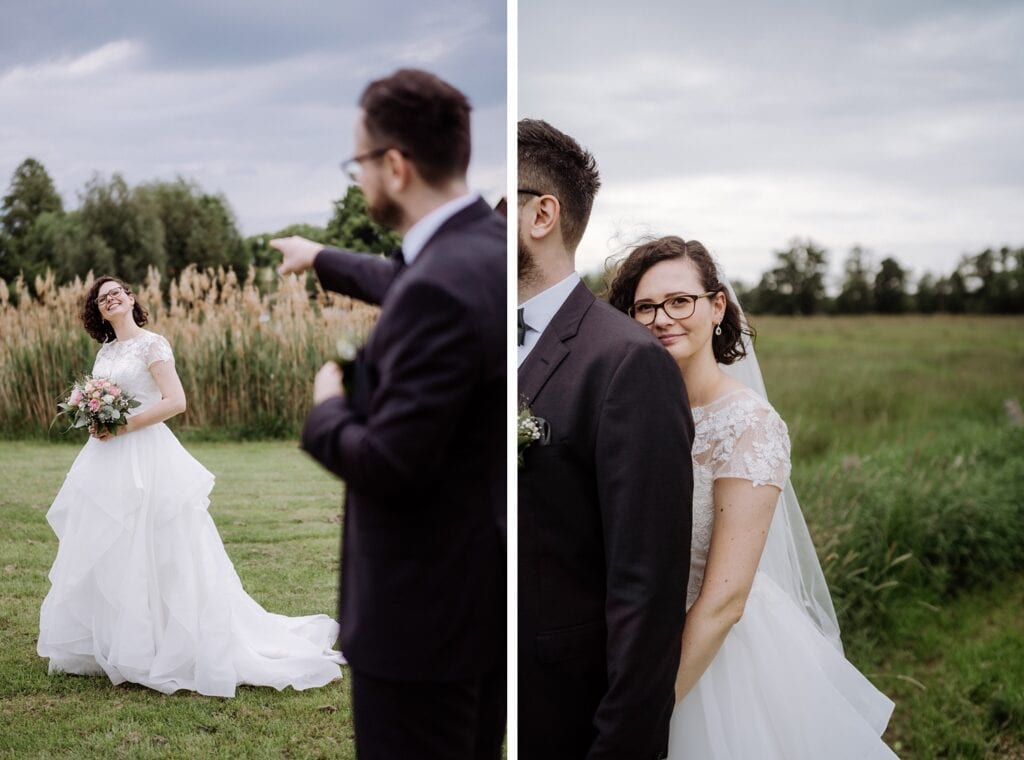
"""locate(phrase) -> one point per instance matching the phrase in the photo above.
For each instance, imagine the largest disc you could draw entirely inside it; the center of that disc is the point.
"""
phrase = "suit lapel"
(552, 348)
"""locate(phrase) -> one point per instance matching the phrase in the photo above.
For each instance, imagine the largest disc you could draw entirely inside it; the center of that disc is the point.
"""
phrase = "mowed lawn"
(278, 514)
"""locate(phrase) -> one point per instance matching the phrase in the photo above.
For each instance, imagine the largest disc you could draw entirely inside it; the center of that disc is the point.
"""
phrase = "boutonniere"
(347, 354)
(531, 430)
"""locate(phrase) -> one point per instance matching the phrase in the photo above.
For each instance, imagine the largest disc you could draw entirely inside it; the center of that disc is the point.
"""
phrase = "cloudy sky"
(250, 98)
(894, 124)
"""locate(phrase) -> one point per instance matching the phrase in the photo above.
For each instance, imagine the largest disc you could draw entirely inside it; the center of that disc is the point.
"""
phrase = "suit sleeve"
(645, 487)
(429, 367)
(359, 275)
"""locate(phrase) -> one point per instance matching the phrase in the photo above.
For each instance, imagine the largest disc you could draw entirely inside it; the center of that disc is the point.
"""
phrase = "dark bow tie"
(398, 257)
(521, 324)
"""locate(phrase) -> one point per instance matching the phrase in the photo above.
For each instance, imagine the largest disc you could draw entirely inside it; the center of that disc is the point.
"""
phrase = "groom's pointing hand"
(298, 253)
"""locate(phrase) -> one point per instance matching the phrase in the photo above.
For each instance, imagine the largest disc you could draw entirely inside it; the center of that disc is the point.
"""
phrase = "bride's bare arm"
(172, 400)
(743, 514)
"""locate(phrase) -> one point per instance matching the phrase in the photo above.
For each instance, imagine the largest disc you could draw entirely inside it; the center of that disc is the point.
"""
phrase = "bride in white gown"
(142, 589)
(762, 674)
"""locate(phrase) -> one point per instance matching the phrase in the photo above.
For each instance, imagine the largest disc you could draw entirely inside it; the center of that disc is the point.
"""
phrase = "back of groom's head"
(423, 116)
(552, 162)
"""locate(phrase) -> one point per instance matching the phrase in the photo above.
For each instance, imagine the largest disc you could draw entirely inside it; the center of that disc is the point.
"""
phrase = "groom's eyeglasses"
(679, 306)
(353, 167)
(527, 191)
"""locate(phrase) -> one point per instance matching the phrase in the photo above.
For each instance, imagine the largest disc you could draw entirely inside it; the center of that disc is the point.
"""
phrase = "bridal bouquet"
(98, 403)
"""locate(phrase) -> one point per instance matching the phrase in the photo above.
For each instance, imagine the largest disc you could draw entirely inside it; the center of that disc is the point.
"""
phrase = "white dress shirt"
(421, 232)
(541, 309)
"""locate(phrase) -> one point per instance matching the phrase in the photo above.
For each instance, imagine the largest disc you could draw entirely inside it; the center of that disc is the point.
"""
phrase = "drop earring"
(718, 329)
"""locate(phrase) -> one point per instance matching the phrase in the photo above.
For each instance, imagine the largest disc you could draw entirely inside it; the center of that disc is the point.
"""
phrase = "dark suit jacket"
(604, 538)
(423, 560)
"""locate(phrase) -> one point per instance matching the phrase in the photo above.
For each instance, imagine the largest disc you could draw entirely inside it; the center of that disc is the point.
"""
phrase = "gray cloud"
(252, 99)
(893, 125)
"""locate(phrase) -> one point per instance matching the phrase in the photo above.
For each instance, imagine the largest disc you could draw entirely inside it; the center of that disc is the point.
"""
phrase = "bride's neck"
(704, 380)
(125, 327)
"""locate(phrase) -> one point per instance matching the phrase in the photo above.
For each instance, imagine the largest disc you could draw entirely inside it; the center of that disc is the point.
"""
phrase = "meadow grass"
(278, 514)
(906, 464)
(909, 466)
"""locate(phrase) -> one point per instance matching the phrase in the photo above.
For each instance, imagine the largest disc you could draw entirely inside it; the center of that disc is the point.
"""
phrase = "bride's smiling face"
(677, 284)
(113, 299)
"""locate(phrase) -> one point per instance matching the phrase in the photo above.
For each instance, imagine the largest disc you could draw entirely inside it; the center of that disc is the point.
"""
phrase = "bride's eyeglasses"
(679, 306)
(112, 293)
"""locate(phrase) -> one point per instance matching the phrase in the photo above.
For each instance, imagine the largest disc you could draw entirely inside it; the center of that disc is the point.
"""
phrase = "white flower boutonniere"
(531, 430)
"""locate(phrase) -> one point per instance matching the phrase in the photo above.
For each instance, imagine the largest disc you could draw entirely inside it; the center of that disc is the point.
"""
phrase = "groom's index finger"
(298, 253)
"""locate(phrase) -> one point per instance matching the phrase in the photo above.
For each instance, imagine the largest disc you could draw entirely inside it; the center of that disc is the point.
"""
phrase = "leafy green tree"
(199, 228)
(262, 256)
(124, 229)
(855, 295)
(56, 241)
(351, 227)
(926, 298)
(890, 289)
(951, 293)
(30, 195)
(797, 284)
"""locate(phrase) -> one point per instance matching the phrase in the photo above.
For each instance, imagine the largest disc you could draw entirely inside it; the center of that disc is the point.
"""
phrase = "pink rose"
(114, 391)
(94, 405)
(75, 398)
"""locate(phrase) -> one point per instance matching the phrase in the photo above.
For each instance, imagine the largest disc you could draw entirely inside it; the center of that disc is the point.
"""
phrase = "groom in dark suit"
(421, 442)
(605, 503)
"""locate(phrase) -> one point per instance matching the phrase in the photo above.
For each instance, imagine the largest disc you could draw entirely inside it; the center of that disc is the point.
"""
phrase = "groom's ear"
(398, 170)
(544, 217)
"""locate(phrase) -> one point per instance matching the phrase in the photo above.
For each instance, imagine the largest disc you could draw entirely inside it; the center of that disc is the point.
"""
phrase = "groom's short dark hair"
(552, 162)
(423, 116)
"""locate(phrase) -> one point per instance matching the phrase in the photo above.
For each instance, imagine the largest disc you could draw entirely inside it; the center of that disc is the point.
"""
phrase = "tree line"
(169, 226)
(123, 230)
(989, 282)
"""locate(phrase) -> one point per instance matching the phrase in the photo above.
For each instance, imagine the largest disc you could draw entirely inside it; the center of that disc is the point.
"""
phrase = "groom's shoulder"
(473, 248)
(615, 331)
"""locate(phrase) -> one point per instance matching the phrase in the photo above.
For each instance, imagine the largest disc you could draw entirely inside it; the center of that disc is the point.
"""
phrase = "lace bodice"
(127, 364)
(738, 435)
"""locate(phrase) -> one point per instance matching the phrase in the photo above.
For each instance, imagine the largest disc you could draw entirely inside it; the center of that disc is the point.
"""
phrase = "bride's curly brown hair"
(97, 327)
(727, 347)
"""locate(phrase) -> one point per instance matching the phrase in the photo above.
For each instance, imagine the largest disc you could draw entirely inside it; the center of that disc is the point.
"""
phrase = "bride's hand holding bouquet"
(99, 405)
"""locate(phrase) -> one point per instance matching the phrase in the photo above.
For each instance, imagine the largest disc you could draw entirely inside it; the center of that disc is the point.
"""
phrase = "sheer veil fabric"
(789, 556)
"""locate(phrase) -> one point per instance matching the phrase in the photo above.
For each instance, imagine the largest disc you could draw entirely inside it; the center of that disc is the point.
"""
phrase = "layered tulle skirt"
(779, 690)
(143, 591)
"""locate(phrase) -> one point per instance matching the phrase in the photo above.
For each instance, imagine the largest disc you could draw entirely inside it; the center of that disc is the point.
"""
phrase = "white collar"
(421, 232)
(541, 309)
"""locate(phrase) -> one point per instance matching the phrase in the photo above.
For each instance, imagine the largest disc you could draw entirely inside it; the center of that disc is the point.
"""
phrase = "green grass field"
(278, 514)
(906, 462)
(910, 472)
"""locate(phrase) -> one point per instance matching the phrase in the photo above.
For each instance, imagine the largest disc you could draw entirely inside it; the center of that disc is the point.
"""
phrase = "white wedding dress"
(142, 589)
(778, 688)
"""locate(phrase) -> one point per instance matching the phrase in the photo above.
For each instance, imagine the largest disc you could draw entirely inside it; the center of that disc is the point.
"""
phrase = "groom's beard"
(526, 267)
(385, 212)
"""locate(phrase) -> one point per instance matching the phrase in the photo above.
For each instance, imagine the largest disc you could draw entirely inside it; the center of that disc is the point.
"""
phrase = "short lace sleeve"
(753, 446)
(158, 350)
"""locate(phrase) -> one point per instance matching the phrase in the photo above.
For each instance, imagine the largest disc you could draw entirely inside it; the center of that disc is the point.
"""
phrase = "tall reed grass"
(246, 358)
